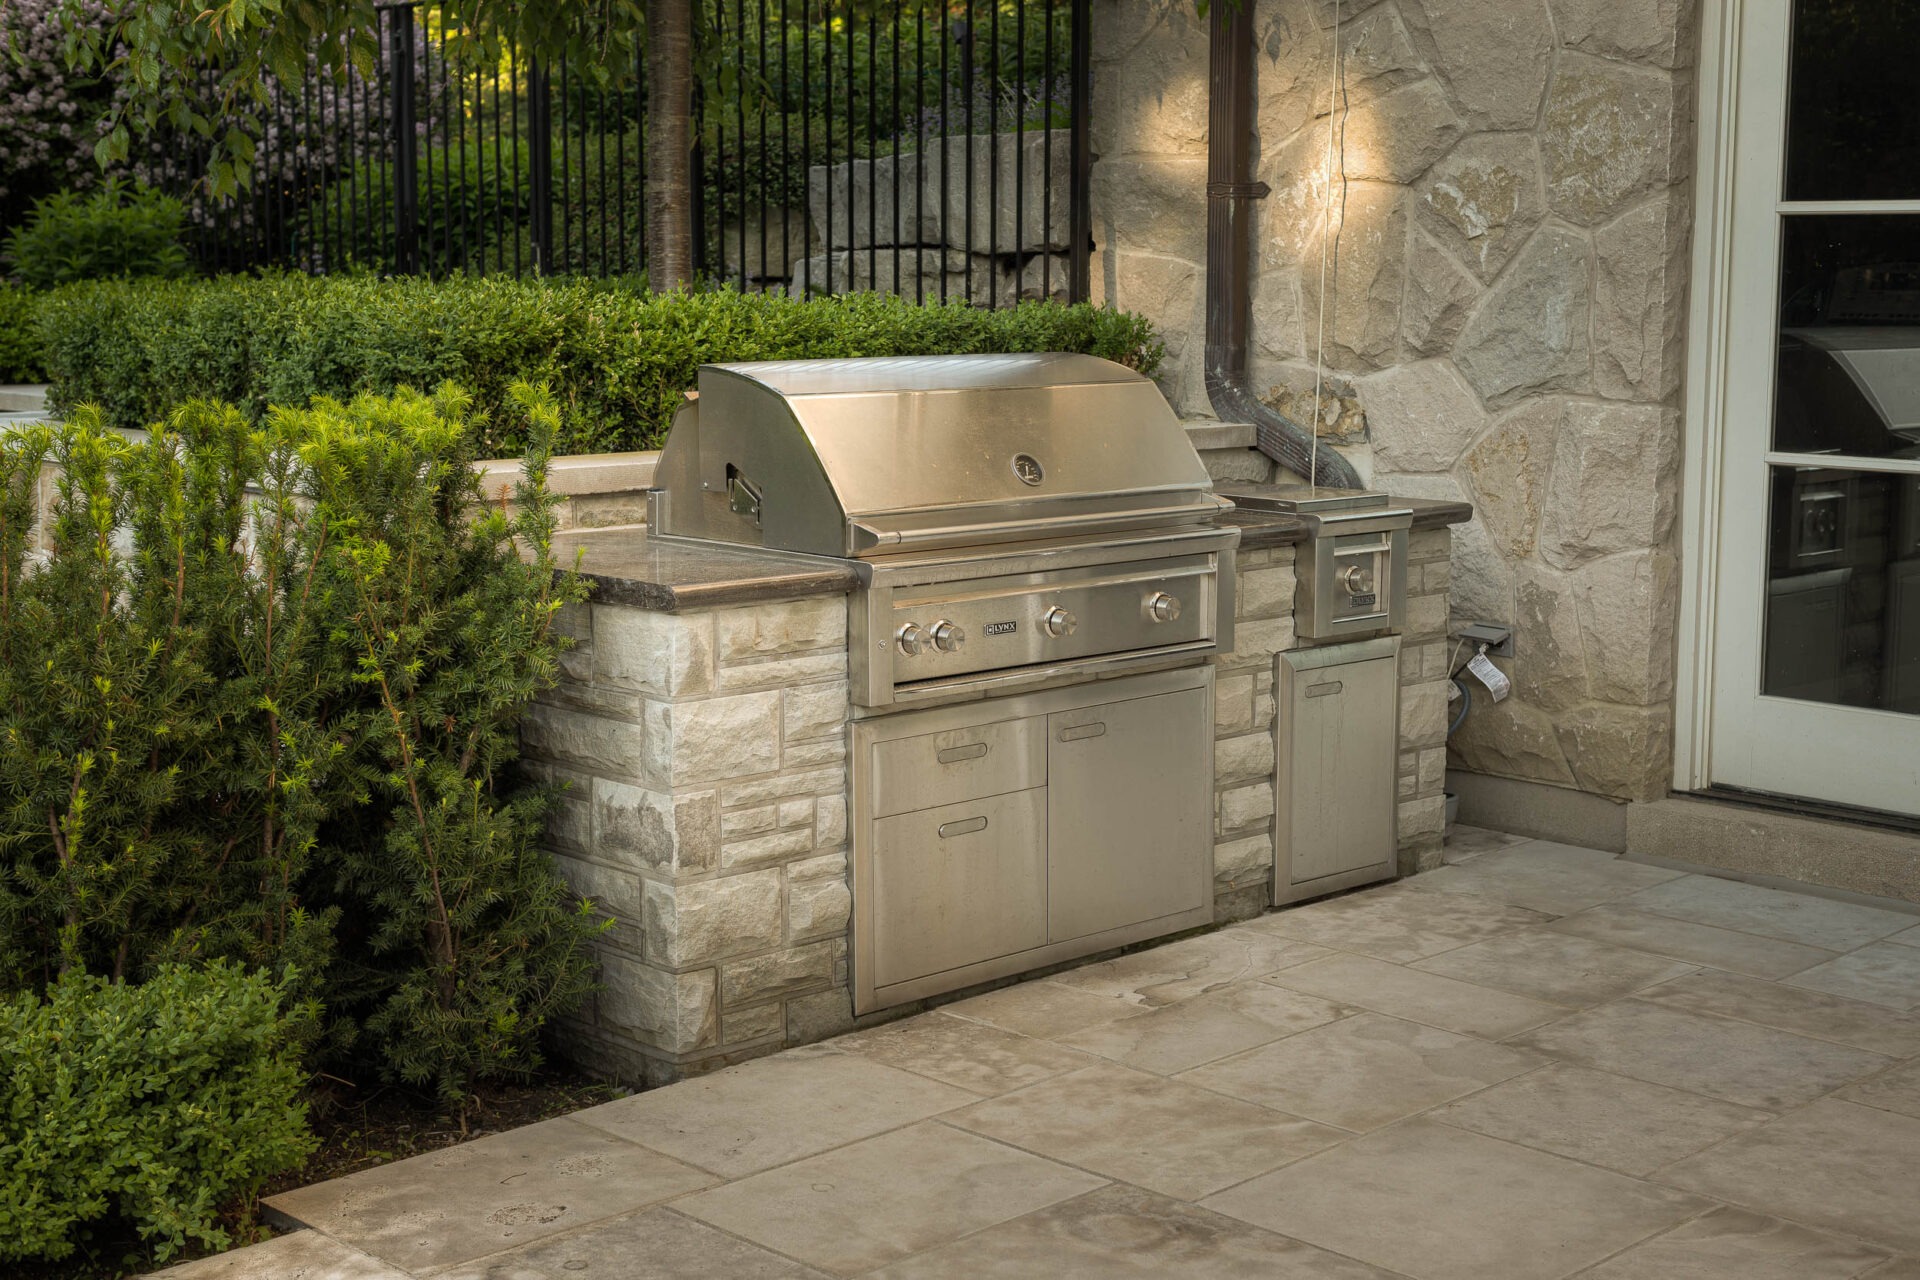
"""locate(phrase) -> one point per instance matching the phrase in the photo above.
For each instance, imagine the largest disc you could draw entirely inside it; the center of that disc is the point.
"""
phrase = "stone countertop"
(626, 566)
(1274, 529)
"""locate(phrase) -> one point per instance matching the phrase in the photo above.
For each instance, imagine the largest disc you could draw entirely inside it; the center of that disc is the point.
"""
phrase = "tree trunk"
(670, 177)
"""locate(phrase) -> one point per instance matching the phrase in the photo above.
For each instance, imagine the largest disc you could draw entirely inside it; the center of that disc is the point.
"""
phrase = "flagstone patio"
(1537, 1061)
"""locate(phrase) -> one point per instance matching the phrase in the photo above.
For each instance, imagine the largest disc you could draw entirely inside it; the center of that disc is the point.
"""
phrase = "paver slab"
(980, 1059)
(1604, 1119)
(1706, 944)
(1796, 1009)
(1773, 913)
(1187, 1034)
(481, 1197)
(1835, 1165)
(1398, 923)
(884, 1198)
(654, 1244)
(1153, 1132)
(1363, 1072)
(772, 1110)
(1556, 967)
(1731, 1244)
(1880, 973)
(1440, 1203)
(1541, 876)
(1041, 1008)
(1120, 1232)
(1739, 1061)
(1465, 843)
(1896, 1089)
(298, 1255)
(1191, 967)
(1448, 1003)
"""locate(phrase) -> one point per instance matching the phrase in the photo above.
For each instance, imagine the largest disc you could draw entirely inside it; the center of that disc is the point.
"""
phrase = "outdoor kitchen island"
(702, 727)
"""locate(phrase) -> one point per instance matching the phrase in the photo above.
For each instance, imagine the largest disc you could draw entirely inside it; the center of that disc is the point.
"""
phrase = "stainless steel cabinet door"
(1335, 765)
(958, 884)
(1129, 812)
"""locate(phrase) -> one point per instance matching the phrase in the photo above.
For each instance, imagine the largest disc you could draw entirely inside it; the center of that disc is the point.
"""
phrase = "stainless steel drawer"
(959, 764)
(959, 884)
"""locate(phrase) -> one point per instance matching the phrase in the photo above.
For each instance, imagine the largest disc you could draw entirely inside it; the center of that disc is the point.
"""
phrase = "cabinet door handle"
(1325, 688)
(1075, 732)
(953, 755)
(962, 827)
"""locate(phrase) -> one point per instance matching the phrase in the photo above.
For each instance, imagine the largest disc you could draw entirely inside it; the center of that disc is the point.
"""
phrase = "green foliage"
(261, 703)
(617, 359)
(116, 231)
(19, 336)
(158, 1104)
(467, 197)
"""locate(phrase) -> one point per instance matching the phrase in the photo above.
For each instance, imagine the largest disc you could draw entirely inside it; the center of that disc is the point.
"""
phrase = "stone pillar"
(1243, 713)
(704, 756)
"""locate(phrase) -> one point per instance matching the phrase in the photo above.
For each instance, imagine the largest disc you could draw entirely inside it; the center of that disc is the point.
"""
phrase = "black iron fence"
(936, 150)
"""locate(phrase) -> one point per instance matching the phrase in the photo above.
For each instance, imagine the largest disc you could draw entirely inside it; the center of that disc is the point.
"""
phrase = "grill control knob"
(1357, 579)
(911, 638)
(1163, 607)
(947, 636)
(1059, 622)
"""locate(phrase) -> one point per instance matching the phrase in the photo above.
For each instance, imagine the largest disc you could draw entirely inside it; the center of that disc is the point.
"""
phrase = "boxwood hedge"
(616, 358)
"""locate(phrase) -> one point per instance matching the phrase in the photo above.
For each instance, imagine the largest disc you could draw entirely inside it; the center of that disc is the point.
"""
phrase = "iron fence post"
(406, 142)
(540, 166)
(1080, 188)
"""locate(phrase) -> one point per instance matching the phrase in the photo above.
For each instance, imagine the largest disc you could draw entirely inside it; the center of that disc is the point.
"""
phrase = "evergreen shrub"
(156, 1105)
(261, 691)
(617, 359)
(116, 231)
(19, 339)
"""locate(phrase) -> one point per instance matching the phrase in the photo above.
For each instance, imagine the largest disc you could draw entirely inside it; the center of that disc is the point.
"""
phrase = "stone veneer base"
(704, 759)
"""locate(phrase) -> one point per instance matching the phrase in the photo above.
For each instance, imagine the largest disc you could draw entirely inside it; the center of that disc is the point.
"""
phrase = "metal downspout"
(1231, 192)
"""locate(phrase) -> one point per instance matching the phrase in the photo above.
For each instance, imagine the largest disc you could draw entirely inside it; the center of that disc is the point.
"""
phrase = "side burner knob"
(1163, 607)
(947, 636)
(911, 638)
(1059, 622)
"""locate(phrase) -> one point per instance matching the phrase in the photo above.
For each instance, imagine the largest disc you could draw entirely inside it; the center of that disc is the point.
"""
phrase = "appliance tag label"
(1001, 628)
(1491, 676)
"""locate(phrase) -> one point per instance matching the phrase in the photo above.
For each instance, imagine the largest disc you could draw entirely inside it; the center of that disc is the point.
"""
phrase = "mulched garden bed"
(360, 1127)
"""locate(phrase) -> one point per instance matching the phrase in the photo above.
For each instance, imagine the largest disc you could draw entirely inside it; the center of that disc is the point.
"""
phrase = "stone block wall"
(705, 763)
(1244, 714)
(1505, 299)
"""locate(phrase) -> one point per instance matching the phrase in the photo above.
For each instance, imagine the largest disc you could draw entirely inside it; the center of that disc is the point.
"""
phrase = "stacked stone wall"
(1506, 290)
(704, 757)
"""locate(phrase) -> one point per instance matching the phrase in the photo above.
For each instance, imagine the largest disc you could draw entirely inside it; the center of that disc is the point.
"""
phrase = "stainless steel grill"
(1015, 518)
(1021, 526)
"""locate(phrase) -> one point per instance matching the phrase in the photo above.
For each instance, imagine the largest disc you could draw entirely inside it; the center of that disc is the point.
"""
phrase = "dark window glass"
(1849, 359)
(1853, 115)
(1843, 588)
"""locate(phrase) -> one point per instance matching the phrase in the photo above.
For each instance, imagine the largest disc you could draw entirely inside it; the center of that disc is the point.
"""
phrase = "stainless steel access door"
(1336, 757)
(1129, 817)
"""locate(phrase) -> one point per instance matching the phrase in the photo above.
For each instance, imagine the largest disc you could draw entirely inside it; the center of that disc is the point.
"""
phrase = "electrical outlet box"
(1498, 639)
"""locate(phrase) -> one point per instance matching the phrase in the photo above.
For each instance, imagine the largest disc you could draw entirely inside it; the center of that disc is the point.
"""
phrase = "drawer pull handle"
(954, 755)
(1323, 689)
(1075, 732)
(964, 827)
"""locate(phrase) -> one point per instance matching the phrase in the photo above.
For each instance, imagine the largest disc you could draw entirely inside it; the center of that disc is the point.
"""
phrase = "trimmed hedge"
(616, 359)
(19, 343)
(155, 1104)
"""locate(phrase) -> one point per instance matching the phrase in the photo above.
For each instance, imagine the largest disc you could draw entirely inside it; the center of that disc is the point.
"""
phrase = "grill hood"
(873, 457)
